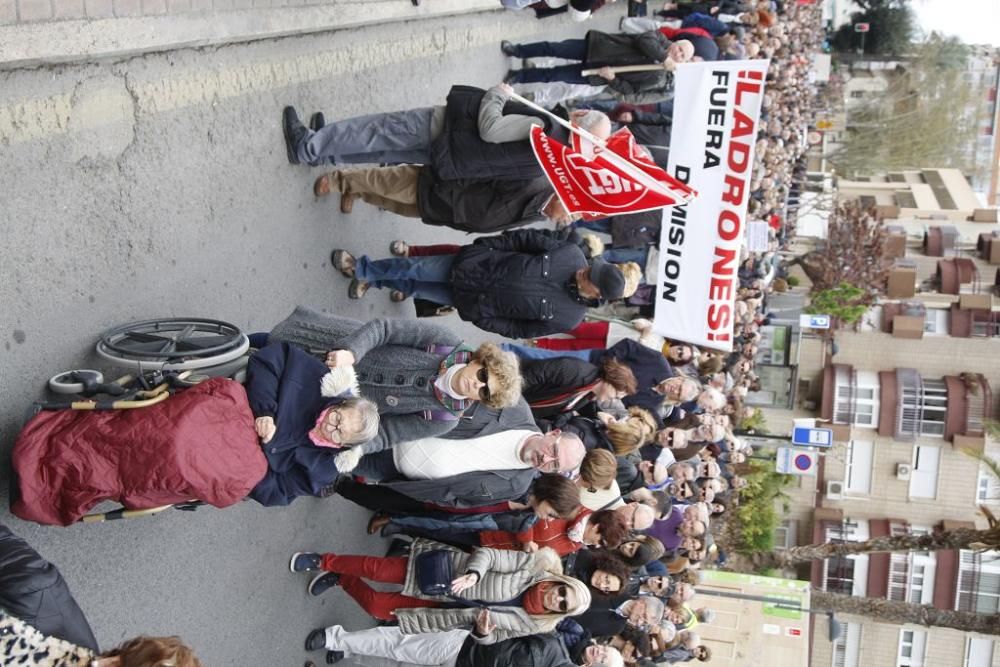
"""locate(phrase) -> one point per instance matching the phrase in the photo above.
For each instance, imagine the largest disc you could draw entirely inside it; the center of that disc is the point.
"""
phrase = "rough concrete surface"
(159, 187)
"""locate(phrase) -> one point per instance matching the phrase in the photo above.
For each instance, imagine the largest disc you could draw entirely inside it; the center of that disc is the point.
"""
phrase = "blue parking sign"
(812, 437)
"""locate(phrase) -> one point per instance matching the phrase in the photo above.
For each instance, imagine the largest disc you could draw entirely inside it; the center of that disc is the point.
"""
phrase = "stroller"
(176, 432)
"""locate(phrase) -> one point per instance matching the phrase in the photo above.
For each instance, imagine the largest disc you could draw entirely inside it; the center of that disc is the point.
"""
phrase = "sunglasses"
(483, 376)
(561, 601)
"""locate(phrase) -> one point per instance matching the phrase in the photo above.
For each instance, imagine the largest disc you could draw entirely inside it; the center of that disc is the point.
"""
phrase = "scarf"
(317, 436)
(453, 407)
(533, 599)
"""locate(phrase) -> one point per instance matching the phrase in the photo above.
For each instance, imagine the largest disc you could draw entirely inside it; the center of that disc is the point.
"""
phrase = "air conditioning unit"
(834, 490)
(903, 471)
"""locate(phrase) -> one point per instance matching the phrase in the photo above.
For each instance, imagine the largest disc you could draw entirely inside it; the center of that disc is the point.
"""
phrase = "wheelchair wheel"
(70, 382)
(175, 344)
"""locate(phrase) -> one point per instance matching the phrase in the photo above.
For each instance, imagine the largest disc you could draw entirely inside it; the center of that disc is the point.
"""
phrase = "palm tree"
(890, 611)
(958, 538)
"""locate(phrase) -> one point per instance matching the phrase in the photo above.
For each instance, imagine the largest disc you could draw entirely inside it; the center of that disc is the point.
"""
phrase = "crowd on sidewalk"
(551, 498)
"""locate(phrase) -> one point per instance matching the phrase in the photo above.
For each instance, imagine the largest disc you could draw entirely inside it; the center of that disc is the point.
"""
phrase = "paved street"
(159, 187)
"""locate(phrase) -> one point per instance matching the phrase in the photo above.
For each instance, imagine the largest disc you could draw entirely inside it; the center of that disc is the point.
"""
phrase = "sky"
(973, 21)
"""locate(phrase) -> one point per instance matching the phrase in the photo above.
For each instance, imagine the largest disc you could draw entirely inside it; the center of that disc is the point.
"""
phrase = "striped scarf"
(453, 407)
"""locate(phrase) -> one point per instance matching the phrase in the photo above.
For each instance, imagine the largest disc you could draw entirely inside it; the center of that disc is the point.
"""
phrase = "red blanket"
(199, 443)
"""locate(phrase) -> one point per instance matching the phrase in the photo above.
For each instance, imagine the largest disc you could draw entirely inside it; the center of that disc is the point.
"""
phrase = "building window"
(978, 652)
(785, 535)
(924, 472)
(911, 575)
(912, 647)
(858, 475)
(936, 322)
(847, 649)
(987, 487)
(856, 398)
(857, 94)
(978, 582)
(847, 575)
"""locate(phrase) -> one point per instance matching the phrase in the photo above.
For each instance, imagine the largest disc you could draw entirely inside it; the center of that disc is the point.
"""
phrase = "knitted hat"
(608, 278)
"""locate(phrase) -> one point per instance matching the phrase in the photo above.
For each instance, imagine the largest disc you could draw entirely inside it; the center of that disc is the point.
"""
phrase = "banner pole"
(634, 172)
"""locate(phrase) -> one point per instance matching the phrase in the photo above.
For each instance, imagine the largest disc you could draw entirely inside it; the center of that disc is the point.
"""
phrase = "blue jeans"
(524, 352)
(421, 277)
(622, 255)
(568, 49)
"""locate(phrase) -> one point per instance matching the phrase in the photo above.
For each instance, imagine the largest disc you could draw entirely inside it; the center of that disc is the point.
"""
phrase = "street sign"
(793, 461)
(812, 437)
(862, 27)
(807, 321)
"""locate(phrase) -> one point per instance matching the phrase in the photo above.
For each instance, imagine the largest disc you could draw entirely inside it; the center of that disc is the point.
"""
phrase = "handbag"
(434, 572)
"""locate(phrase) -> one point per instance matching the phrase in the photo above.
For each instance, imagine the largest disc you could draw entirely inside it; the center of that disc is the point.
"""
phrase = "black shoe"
(511, 76)
(508, 48)
(316, 639)
(416, 3)
(294, 131)
(333, 657)
(323, 583)
(317, 122)
(304, 561)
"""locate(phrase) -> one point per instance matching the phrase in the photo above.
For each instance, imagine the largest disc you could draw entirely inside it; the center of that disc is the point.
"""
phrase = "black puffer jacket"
(543, 650)
(617, 49)
(460, 153)
(516, 284)
(32, 589)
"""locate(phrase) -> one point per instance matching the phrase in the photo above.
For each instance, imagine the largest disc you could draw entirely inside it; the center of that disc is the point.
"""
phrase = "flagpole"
(634, 172)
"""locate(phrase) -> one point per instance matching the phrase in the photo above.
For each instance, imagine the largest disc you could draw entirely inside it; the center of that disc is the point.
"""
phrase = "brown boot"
(347, 202)
(377, 523)
(322, 186)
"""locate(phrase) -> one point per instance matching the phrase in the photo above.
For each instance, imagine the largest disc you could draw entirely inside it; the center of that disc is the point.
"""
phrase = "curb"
(85, 41)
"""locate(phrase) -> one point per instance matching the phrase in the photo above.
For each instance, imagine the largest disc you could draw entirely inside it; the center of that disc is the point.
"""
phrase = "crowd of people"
(552, 497)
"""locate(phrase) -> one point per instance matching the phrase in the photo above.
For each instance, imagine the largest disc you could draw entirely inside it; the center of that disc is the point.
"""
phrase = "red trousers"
(586, 336)
(379, 604)
(428, 250)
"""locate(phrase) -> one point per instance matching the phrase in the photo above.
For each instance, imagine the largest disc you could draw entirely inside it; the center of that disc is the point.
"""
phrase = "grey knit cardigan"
(503, 576)
(394, 368)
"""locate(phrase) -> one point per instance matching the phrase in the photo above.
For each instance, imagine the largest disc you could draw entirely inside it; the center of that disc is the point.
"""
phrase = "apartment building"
(907, 396)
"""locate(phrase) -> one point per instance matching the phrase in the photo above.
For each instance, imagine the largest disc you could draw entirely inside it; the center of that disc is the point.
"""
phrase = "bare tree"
(853, 252)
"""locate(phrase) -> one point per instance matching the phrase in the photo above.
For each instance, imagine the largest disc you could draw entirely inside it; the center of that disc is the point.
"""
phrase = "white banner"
(716, 112)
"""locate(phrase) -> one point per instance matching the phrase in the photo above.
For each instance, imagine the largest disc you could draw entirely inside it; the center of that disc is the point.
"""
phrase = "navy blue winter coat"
(649, 366)
(283, 382)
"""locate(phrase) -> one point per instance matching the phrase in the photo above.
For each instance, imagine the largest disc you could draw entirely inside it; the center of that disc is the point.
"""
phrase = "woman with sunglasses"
(421, 376)
(524, 593)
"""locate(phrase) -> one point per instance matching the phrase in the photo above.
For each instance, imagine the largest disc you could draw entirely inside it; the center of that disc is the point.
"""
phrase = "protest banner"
(716, 114)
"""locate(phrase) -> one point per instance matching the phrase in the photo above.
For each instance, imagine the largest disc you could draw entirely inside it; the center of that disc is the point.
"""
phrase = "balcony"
(940, 241)
(970, 401)
(921, 406)
(953, 274)
(988, 247)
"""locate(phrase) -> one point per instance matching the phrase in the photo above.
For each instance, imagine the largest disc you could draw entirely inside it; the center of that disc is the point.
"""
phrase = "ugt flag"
(618, 178)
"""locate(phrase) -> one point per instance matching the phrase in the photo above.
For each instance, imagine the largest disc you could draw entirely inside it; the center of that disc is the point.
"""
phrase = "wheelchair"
(159, 357)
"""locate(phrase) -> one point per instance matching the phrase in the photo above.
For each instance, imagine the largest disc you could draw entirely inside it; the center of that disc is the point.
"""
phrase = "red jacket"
(552, 533)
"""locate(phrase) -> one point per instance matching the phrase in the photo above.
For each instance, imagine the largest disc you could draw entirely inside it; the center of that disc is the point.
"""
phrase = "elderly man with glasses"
(459, 474)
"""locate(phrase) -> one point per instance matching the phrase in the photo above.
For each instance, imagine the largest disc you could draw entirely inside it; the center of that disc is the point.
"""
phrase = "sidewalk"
(45, 32)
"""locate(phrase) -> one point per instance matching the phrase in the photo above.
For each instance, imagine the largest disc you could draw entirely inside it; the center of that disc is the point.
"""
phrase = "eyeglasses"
(483, 376)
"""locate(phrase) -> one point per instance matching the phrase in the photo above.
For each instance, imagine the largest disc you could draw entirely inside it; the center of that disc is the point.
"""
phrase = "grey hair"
(615, 659)
(591, 119)
(368, 412)
(655, 604)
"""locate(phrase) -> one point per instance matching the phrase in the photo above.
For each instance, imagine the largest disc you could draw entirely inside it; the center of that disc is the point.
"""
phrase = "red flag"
(625, 182)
